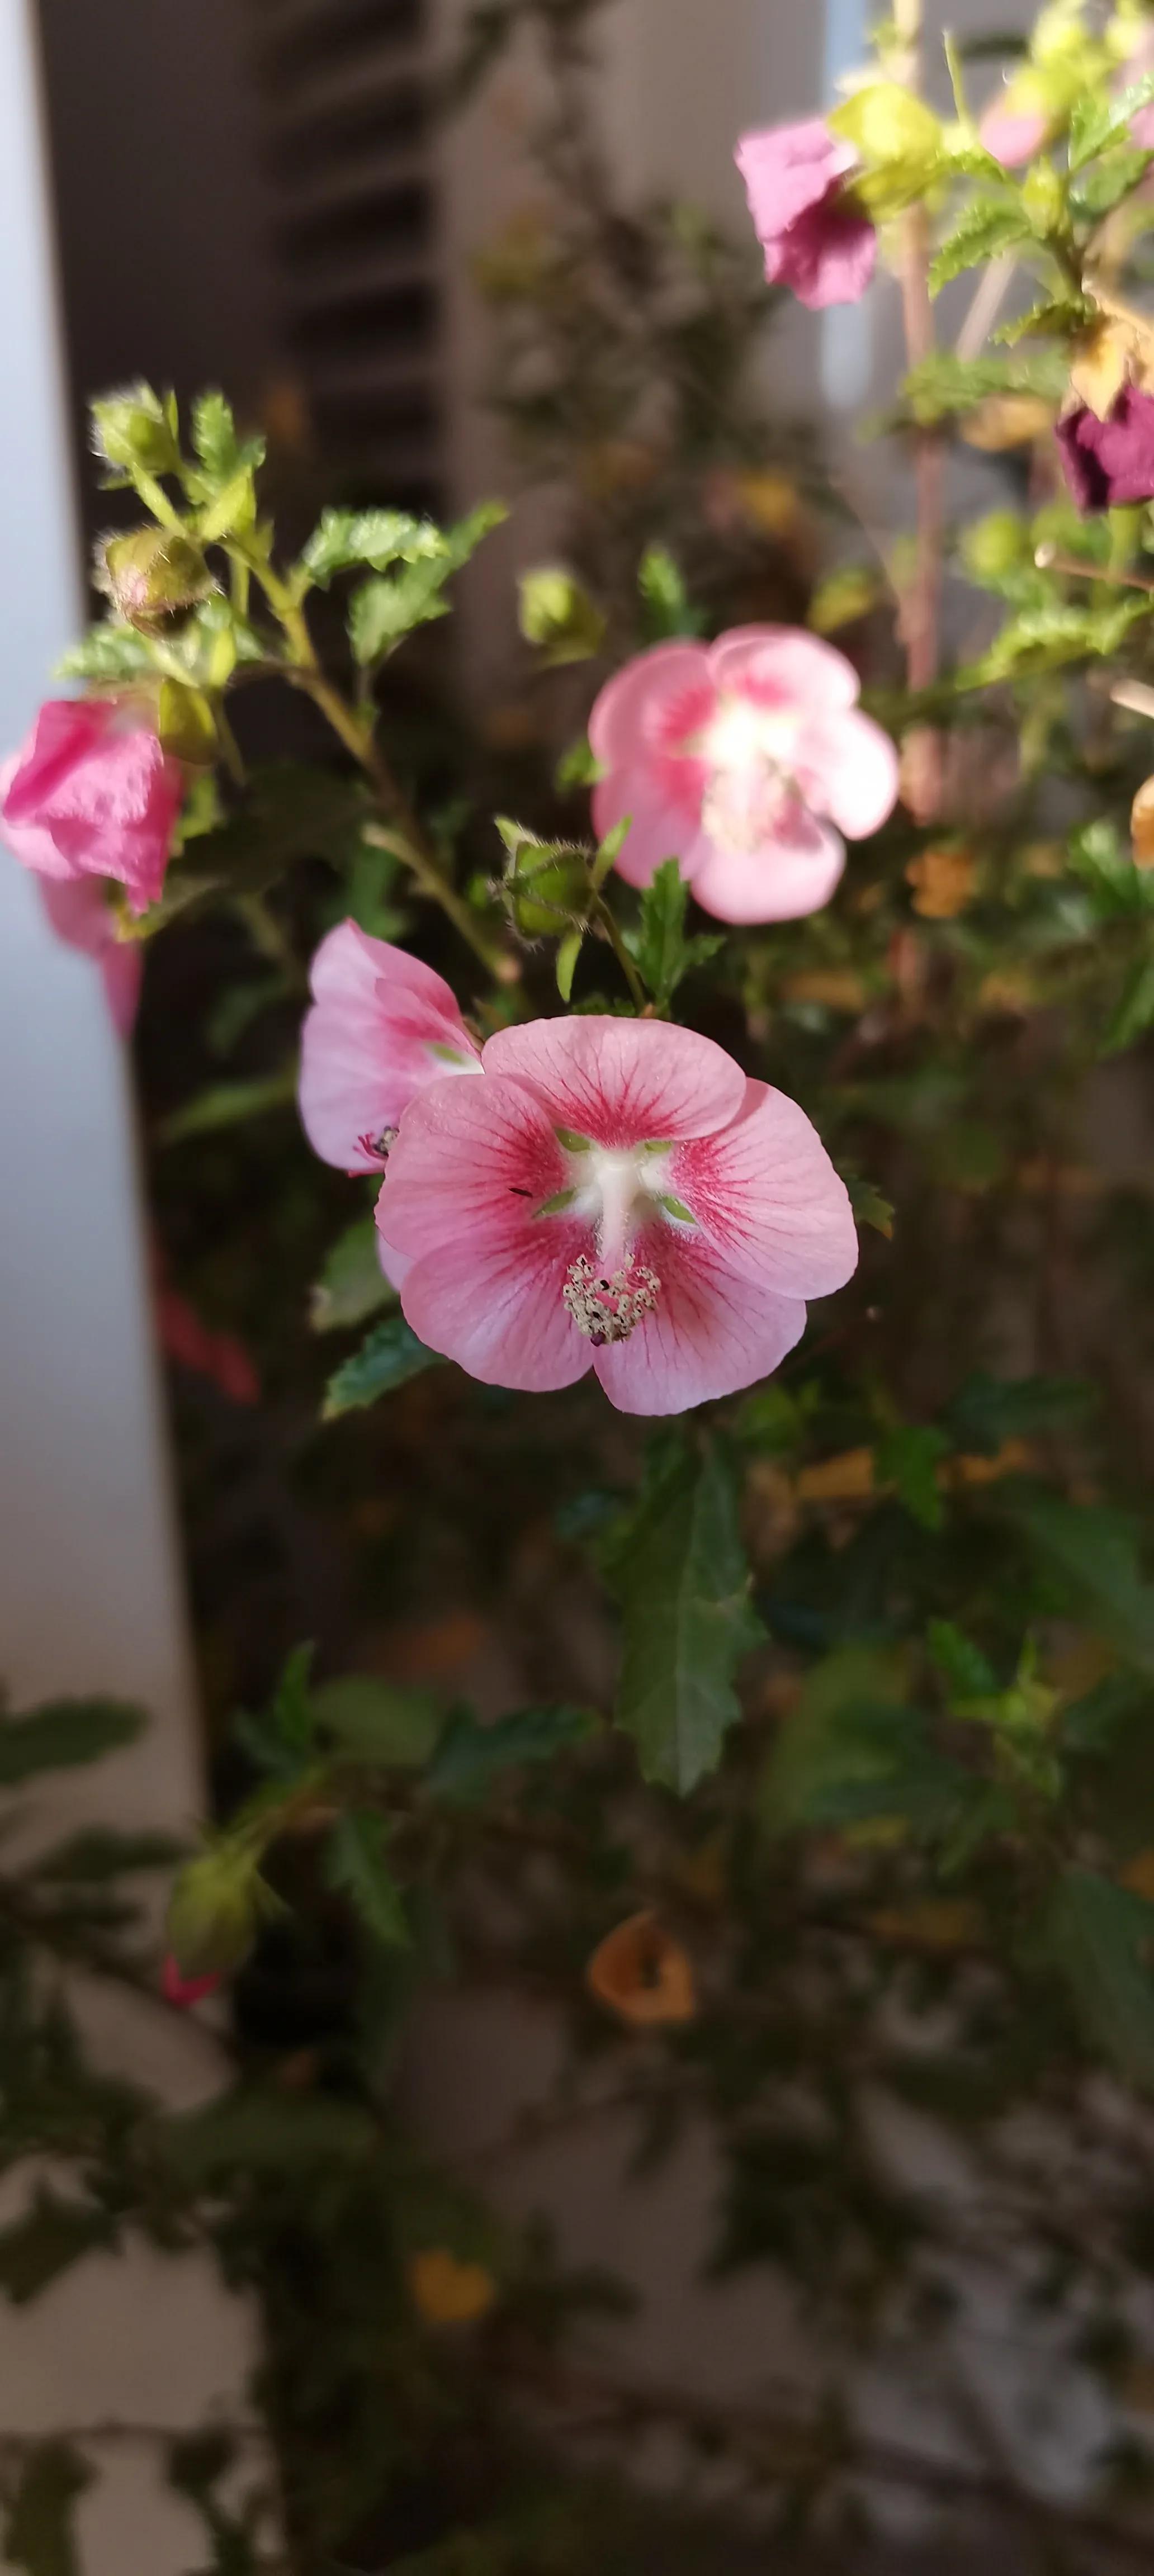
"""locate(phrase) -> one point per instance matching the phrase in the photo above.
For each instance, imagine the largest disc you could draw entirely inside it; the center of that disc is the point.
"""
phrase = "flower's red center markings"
(616, 1190)
(377, 1147)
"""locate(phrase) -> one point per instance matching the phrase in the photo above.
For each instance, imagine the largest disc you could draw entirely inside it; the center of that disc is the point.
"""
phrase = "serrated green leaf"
(985, 230)
(908, 1458)
(1055, 316)
(372, 539)
(988, 1411)
(100, 1852)
(1095, 1934)
(665, 602)
(852, 1751)
(51, 2236)
(967, 1670)
(352, 1285)
(259, 2129)
(383, 611)
(944, 386)
(373, 1721)
(1113, 178)
(661, 951)
(1100, 118)
(389, 1358)
(38, 2533)
(471, 1756)
(1095, 1551)
(221, 453)
(678, 1570)
(356, 1865)
(63, 1733)
(107, 652)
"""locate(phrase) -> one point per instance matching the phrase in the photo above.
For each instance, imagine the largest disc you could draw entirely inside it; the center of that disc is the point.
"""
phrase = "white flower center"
(616, 1190)
(747, 749)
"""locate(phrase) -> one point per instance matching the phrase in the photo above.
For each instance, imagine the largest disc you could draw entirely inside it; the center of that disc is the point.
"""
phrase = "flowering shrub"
(602, 1092)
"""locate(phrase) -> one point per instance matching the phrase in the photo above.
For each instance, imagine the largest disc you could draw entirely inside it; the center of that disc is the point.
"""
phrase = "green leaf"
(384, 611)
(391, 1356)
(356, 1865)
(1114, 178)
(375, 539)
(221, 453)
(679, 1572)
(63, 1733)
(291, 1712)
(471, 1756)
(1133, 1012)
(259, 2129)
(38, 2534)
(229, 1104)
(52, 2235)
(1055, 317)
(853, 1752)
(944, 386)
(663, 954)
(988, 1411)
(100, 1851)
(1098, 118)
(352, 1284)
(107, 652)
(558, 616)
(577, 767)
(665, 603)
(375, 1722)
(1094, 1551)
(869, 1207)
(844, 595)
(568, 953)
(1094, 1933)
(967, 1670)
(908, 1458)
(984, 230)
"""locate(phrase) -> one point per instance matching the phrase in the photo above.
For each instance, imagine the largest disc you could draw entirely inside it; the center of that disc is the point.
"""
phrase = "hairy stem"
(921, 613)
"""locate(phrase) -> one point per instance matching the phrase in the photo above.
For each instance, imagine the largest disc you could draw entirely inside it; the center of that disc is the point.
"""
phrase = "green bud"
(1042, 199)
(135, 431)
(995, 545)
(558, 616)
(153, 574)
(214, 1910)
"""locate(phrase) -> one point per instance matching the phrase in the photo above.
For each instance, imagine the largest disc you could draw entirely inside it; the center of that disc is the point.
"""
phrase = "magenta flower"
(745, 760)
(613, 1194)
(93, 793)
(381, 1027)
(815, 242)
(1013, 134)
(77, 908)
(1108, 462)
(184, 1992)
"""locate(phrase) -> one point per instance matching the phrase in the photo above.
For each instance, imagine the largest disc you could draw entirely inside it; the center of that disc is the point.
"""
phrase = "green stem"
(607, 924)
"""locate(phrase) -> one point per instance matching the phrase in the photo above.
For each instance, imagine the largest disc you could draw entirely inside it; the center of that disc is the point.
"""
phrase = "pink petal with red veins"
(793, 874)
(714, 1329)
(797, 669)
(369, 1043)
(496, 1307)
(619, 715)
(622, 1082)
(656, 831)
(471, 1165)
(848, 768)
(767, 1199)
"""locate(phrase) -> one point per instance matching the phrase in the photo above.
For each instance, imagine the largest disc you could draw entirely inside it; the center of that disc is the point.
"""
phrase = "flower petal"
(798, 668)
(656, 830)
(474, 1161)
(378, 1032)
(787, 168)
(793, 874)
(617, 720)
(499, 1313)
(766, 1197)
(847, 768)
(715, 1328)
(622, 1082)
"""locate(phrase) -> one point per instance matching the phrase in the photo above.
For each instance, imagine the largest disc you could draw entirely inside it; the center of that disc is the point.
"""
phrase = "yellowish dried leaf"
(1006, 990)
(1007, 420)
(837, 986)
(447, 2292)
(1014, 1458)
(934, 1923)
(943, 883)
(1102, 364)
(642, 1974)
(848, 1478)
(772, 501)
(1142, 825)
(1138, 1875)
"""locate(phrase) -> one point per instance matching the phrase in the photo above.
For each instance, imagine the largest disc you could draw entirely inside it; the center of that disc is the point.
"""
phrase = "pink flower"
(1109, 463)
(739, 758)
(381, 1027)
(184, 1992)
(78, 911)
(814, 242)
(93, 793)
(613, 1194)
(1013, 134)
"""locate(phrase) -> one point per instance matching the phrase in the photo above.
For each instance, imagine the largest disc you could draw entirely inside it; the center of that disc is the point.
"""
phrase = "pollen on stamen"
(609, 1309)
(378, 1146)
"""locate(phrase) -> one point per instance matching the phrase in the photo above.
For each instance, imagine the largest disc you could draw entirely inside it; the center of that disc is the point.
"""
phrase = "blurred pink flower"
(814, 242)
(613, 1194)
(1110, 462)
(220, 1357)
(77, 908)
(1013, 134)
(183, 1992)
(93, 793)
(739, 759)
(382, 1025)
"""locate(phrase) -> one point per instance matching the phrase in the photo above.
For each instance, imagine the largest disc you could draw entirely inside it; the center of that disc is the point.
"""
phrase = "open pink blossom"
(746, 760)
(815, 242)
(77, 908)
(1012, 130)
(382, 1025)
(93, 793)
(613, 1194)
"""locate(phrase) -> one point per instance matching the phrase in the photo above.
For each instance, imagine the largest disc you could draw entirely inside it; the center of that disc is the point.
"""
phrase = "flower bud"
(213, 1911)
(135, 431)
(153, 574)
(547, 884)
(558, 616)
